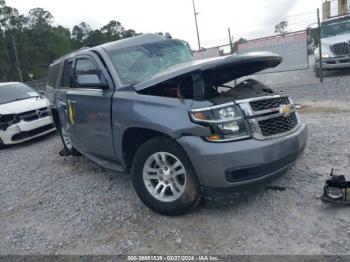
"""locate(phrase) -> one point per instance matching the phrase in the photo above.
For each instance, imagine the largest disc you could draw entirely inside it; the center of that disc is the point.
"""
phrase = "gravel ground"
(55, 205)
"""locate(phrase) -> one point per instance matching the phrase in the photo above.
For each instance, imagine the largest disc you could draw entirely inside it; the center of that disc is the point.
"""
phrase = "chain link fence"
(39, 85)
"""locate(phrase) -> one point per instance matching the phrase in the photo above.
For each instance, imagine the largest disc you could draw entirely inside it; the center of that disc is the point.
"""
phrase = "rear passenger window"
(67, 74)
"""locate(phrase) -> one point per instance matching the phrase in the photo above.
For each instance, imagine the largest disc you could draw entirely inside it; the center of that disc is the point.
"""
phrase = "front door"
(89, 102)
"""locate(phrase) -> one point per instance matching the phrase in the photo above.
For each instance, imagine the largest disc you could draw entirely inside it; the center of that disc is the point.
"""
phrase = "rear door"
(89, 102)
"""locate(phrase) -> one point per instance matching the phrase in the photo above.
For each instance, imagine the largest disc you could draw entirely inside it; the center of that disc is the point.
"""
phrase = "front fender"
(165, 115)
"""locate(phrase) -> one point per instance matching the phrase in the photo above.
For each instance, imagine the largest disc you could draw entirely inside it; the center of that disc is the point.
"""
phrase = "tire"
(177, 176)
(69, 148)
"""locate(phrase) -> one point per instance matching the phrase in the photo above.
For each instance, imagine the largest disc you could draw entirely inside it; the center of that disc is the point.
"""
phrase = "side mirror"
(91, 81)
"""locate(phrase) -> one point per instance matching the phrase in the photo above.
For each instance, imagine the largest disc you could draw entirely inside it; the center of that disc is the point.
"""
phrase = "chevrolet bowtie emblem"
(286, 110)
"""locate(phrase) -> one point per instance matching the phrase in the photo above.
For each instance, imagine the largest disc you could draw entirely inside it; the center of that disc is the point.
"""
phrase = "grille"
(269, 103)
(34, 132)
(341, 49)
(277, 125)
(34, 114)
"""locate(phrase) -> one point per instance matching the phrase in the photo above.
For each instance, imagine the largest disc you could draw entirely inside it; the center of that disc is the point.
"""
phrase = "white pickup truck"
(335, 41)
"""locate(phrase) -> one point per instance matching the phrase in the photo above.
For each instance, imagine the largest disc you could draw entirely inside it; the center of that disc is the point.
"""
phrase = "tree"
(39, 17)
(7, 20)
(113, 30)
(129, 33)
(281, 28)
(96, 37)
(238, 42)
(81, 32)
(39, 41)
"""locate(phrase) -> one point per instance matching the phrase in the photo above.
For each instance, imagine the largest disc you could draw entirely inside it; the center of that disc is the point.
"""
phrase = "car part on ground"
(336, 190)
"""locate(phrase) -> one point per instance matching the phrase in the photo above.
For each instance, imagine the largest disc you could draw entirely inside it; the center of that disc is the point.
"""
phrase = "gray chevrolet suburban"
(179, 125)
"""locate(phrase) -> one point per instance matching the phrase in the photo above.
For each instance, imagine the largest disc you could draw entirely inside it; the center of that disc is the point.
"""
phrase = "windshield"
(138, 63)
(15, 91)
(336, 27)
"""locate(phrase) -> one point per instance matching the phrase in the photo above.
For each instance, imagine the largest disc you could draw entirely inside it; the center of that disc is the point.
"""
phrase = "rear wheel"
(164, 178)
(67, 142)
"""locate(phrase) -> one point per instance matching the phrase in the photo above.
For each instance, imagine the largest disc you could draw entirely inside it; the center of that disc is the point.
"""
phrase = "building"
(331, 8)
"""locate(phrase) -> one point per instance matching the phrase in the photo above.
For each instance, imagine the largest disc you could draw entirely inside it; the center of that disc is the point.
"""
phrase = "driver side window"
(87, 74)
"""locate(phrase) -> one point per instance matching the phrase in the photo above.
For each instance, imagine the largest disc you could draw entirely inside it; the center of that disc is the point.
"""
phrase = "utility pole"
(195, 19)
(16, 58)
(319, 45)
(230, 38)
(231, 48)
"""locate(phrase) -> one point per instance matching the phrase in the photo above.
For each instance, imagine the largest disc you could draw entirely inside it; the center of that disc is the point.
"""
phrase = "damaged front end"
(208, 79)
(218, 103)
(7, 120)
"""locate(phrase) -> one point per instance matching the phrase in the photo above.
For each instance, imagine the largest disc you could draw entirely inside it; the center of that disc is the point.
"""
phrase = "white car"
(24, 114)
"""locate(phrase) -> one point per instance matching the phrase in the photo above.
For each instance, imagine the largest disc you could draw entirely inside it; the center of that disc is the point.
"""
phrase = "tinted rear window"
(15, 91)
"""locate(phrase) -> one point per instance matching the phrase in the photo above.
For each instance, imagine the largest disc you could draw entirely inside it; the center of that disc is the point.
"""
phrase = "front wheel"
(164, 178)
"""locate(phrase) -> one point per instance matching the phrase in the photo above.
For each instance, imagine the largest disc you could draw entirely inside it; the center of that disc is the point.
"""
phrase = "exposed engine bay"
(184, 87)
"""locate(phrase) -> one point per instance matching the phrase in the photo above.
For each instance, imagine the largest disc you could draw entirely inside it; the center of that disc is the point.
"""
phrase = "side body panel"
(90, 129)
(92, 123)
(165, 115)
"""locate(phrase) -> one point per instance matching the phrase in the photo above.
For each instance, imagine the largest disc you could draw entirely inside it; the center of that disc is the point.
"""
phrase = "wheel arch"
(133, 138)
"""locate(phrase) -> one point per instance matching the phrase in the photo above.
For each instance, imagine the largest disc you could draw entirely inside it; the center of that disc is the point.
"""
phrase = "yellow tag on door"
(71, 112)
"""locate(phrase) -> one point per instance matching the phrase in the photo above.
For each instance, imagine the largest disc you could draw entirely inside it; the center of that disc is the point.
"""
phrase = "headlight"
(226, 122)
(335, 192)
(324, 55)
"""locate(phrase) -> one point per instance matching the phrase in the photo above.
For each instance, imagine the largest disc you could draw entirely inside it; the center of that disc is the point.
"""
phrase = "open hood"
(218, 70)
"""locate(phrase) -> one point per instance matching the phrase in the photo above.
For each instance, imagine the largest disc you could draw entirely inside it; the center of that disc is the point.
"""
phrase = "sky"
(246, 18)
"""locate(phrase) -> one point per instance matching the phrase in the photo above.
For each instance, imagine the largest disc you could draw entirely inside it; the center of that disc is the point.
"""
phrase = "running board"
(106, 164)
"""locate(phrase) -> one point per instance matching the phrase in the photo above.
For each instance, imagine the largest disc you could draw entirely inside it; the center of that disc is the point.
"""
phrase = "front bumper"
(234, 164)
(334, 63)
(24, 131)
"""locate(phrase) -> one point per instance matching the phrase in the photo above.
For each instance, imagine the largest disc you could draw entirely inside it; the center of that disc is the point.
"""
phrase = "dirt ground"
(55, 205)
